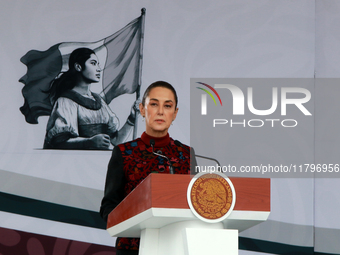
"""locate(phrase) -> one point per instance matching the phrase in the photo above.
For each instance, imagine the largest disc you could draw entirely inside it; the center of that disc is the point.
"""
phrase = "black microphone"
(178, 143)
(152, 144)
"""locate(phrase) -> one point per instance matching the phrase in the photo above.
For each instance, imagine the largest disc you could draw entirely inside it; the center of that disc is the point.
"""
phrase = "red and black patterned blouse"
(131, 163)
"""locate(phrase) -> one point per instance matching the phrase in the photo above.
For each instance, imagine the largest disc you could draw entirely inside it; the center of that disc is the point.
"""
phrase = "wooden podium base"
(158, 211)
(189, 238)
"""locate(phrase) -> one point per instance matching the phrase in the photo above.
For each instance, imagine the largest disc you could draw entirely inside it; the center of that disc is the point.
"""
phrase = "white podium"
(157, 211)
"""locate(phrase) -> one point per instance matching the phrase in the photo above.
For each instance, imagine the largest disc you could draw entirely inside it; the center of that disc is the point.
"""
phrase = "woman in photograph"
(81, 119)
(133, 161)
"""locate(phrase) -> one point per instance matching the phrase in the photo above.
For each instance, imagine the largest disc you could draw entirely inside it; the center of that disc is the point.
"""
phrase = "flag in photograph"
(120, 56)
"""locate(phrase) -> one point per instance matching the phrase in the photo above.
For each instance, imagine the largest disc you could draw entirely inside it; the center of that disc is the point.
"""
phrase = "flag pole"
(143, 10)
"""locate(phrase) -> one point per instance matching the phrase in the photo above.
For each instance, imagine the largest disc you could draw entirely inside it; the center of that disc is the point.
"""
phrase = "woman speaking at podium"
(155, 151)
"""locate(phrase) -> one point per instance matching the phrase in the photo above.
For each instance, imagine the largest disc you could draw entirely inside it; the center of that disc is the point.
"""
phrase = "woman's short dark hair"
(162, 84)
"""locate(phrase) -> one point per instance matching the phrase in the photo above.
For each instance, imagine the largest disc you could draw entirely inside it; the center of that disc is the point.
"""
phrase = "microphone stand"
(178, 143)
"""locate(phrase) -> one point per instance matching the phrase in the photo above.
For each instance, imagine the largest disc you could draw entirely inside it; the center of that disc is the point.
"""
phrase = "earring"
(143, 119)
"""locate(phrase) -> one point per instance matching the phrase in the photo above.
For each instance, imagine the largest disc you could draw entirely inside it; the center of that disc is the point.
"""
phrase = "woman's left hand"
(135, 109)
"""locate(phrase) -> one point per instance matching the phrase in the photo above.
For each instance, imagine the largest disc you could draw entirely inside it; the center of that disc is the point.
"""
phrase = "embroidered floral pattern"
(139, 162)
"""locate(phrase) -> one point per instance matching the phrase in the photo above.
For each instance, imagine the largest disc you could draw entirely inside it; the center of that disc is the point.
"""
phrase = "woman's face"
(92, 69)
(159, 111)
